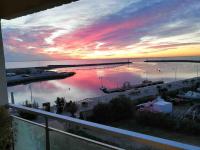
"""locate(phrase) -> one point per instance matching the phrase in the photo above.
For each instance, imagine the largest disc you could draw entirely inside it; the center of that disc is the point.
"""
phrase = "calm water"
(86, 82)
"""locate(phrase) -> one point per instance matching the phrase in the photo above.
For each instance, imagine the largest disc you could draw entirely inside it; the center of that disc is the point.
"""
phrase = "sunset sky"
(97, 29)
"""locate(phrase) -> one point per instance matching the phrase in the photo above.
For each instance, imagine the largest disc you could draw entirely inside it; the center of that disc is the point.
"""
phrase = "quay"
(49, 67)
(85, 65)
(189, 61)
(127, 86)
(29, 78)
(88, 104)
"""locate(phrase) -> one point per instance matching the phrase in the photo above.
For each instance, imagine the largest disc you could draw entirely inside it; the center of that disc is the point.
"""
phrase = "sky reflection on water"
(87, 80)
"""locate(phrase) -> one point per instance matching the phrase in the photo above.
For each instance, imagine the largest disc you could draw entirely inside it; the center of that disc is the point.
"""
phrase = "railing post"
(3, 81)
(47, 133)
(12, 134)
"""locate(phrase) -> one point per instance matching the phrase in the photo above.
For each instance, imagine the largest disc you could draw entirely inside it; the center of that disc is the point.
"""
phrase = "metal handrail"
(28, 121)
(70, 134)
(159, 143)
(86, 139)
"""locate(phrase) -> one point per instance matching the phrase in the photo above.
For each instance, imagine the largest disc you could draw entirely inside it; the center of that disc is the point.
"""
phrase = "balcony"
(55, 132)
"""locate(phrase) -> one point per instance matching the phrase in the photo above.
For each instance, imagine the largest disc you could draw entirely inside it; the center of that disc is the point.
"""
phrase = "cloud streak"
(106, 29)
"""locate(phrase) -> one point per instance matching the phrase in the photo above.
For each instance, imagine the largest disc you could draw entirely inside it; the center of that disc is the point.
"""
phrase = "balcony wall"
(79, 134)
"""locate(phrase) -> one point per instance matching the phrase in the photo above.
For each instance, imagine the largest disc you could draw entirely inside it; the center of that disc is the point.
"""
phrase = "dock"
(140, 93)
(128, 86)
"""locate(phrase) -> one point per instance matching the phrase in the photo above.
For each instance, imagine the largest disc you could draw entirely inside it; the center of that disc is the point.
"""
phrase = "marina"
(99, 75)
(127, 86)
(143, 93)
(87, 81)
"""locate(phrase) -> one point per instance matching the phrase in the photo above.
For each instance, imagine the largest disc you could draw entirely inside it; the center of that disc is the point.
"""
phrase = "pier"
(127, 86)
(139, 93)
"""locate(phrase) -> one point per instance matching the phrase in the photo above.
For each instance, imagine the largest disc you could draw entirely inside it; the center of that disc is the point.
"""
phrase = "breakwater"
(49, 67)
(29, 78)
(85, 65)
(189, 61)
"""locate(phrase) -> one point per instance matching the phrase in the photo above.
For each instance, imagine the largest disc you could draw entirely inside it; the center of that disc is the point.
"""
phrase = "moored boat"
(190, 95)
(128, 86)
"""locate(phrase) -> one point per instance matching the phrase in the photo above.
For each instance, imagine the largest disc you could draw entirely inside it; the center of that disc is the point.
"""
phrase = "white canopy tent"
(161, 105)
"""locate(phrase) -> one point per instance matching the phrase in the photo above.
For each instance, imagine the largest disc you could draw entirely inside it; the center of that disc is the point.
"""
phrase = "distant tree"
(196, 85)
(159, 89)
(162, 92)
(193, 84)
(60, 102)
(192, 81)
(72, 108)
(169, 85)
(117, 109)
(122, 107)
(102, 113)
(186, 82)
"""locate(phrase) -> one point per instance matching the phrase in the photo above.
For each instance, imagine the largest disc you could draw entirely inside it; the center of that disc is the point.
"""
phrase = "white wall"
(3, 82)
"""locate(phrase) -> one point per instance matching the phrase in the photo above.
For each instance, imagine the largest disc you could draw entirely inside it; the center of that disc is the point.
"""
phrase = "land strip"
(189, 61)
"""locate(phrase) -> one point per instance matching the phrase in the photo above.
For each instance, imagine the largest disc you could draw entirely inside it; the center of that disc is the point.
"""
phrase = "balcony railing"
(86, 135)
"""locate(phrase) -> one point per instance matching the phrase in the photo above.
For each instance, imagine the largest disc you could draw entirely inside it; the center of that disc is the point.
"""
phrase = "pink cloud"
(173, 45)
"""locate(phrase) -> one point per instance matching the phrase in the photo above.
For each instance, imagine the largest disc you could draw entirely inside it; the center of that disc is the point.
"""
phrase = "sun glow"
(114, 29)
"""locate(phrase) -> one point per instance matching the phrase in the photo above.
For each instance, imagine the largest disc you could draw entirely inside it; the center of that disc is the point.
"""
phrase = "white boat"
(190, 95)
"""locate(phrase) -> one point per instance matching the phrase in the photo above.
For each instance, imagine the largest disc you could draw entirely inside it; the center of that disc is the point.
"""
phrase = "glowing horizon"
(104, 29)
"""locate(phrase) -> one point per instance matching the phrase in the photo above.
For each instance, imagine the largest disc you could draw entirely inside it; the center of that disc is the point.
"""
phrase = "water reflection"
(87, 80)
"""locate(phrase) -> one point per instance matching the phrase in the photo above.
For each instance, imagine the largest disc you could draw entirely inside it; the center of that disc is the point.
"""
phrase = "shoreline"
(16, 76)
(85, 65)
(169, 60)
(139, 93)
(26, 79)
(49, 67)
